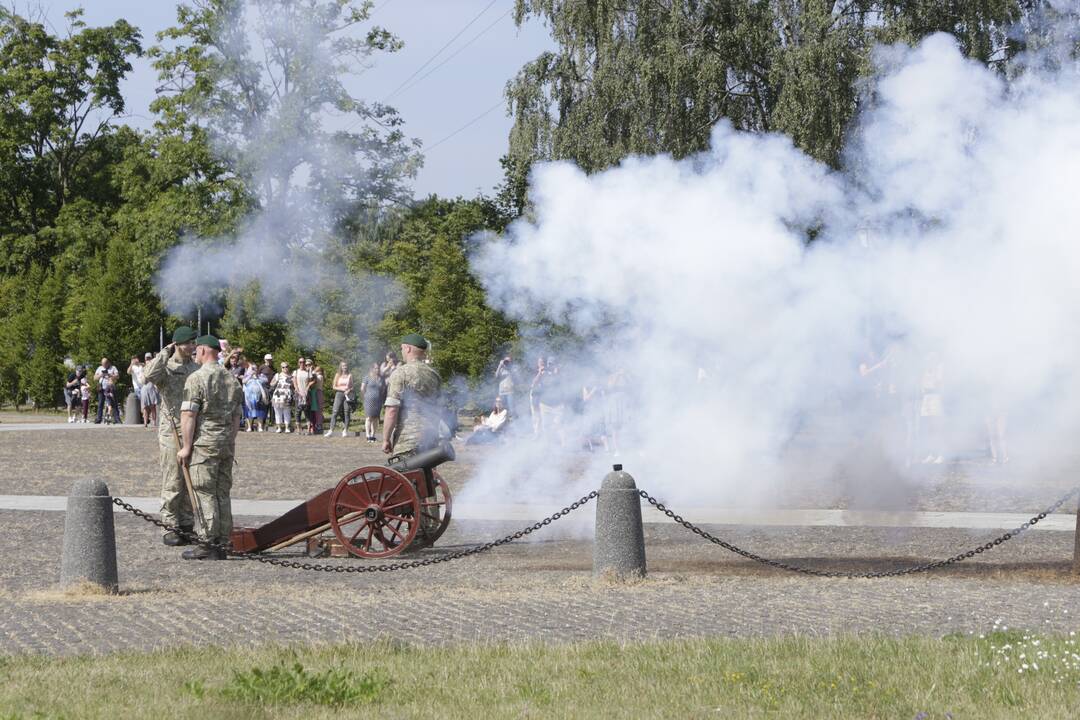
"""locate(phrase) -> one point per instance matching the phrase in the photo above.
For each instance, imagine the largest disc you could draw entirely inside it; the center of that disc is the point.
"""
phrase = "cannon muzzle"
(427, 459)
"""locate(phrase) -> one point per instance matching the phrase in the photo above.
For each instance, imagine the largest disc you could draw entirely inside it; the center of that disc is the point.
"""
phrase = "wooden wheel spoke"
(363, 524)
(400, 518)
(397, 505)
(382, 481)
(399, 535)
(343, 504)
(353, 493)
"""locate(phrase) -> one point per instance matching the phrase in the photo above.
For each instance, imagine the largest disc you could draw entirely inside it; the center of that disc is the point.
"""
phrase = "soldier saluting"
(169, 370)
(412, 401)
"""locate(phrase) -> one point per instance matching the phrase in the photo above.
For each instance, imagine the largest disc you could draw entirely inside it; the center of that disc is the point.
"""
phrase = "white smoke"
(949, 242)
(309, 182)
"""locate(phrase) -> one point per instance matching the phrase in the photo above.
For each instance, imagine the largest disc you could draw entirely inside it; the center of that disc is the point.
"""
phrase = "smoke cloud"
(288, 258)
(936, 299)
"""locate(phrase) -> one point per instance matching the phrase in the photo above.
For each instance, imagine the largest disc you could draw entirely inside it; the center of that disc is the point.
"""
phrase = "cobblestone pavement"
(532, 590)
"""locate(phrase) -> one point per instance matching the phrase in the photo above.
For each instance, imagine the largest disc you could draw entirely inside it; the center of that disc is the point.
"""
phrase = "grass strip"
(1000, 675)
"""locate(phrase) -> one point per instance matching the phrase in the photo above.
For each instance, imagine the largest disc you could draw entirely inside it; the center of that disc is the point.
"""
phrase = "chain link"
(960, 557)
(678, 519)
(446, 557)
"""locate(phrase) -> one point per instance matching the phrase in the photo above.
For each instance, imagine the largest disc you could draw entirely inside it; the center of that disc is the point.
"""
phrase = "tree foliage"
(443, 300)
(653, 76)
(261, 76)
(59, 97)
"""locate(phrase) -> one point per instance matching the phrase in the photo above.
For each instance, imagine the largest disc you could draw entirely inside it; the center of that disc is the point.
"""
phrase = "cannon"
(374, 511)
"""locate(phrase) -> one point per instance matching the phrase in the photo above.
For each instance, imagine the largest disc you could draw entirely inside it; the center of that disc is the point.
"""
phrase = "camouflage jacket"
(214, 394)
(169, 375)
(415, 388)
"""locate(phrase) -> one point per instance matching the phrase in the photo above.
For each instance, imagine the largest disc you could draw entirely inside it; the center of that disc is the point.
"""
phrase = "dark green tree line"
(653, 76)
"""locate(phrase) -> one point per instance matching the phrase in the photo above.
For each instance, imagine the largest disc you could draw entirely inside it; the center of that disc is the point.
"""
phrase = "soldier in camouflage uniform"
(210, 417)
(412, 401)
(169, 371)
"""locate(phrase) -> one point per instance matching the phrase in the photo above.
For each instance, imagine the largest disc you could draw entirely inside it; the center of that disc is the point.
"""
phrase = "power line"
(450, 57)
(376, 10)
(440, 50)
(466, 126)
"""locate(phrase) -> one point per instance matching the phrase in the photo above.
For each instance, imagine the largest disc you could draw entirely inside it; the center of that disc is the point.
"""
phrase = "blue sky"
(454, 94)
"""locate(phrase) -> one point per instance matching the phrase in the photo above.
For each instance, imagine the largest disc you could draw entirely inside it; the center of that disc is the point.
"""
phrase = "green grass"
(1002, 675)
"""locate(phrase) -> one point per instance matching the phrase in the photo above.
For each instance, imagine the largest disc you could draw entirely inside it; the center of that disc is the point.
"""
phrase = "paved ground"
(1058, 522)
(541, 589)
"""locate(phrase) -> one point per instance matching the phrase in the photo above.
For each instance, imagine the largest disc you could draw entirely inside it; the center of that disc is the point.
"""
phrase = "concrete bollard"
(89, 537)
(132, 410)
(619, 548)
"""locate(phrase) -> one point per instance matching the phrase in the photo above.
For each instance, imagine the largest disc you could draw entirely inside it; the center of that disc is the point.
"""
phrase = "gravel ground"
(542, 588)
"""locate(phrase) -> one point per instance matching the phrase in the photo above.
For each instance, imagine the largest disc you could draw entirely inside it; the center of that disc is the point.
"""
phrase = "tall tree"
(59, 99)
(262, 77)
(654, 76)
(443, 300)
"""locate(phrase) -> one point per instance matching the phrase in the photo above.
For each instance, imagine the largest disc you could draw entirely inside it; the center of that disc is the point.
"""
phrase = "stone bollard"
(132, 410)
(619, 549)
(89, 537)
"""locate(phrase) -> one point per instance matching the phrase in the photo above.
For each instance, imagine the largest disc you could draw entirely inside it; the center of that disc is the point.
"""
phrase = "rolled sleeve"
(194, 395)
(395, 389)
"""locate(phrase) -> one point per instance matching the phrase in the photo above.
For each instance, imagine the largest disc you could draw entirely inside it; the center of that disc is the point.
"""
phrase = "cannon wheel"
(435, 512)
(373, 512)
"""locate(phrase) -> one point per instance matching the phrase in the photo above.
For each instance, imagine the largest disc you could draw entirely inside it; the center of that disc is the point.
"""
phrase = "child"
(84, 392)
(107, 395)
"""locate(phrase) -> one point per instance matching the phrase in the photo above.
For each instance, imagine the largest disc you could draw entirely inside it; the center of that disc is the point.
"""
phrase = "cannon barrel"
(427, 459)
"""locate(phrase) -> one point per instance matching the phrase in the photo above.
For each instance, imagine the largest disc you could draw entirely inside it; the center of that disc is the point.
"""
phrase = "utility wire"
(440, 50)
(466, 126)
(378, 9)
(449, 57)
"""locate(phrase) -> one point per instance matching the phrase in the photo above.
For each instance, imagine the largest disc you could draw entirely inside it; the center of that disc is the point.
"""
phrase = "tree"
(264, 106)
(117, 308)
(443, 301)
(43, 375)
(654, 76)
(59, 97)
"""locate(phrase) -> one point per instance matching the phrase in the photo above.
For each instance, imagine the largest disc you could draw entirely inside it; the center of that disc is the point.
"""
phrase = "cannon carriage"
(374, 511)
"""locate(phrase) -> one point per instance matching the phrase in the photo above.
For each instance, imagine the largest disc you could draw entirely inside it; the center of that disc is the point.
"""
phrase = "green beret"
(416, 340)
(209, 341)
(183, 334)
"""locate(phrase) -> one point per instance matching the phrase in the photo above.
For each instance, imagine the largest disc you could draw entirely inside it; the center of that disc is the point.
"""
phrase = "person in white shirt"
(106, 369)
(487, 430)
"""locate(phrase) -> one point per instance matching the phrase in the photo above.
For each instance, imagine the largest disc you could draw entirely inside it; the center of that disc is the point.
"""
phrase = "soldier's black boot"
(203, 553)
(173, 539)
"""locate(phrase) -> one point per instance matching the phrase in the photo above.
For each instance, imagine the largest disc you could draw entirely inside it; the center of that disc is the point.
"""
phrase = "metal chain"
(838, 574)
(475, 550)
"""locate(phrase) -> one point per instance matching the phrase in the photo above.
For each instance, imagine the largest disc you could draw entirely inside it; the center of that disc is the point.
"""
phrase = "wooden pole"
(312, 533)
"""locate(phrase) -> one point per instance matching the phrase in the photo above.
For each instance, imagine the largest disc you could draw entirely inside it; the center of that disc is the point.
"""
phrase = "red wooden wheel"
(374, 511)
(434, 510)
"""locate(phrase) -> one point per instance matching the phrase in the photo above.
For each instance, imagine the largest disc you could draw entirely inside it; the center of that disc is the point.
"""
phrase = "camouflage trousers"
(212, 478)
(175, 504)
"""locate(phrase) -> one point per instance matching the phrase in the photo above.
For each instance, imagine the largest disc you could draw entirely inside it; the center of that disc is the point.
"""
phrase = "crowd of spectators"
(567, 407)
(278, 397)
(907, 408)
